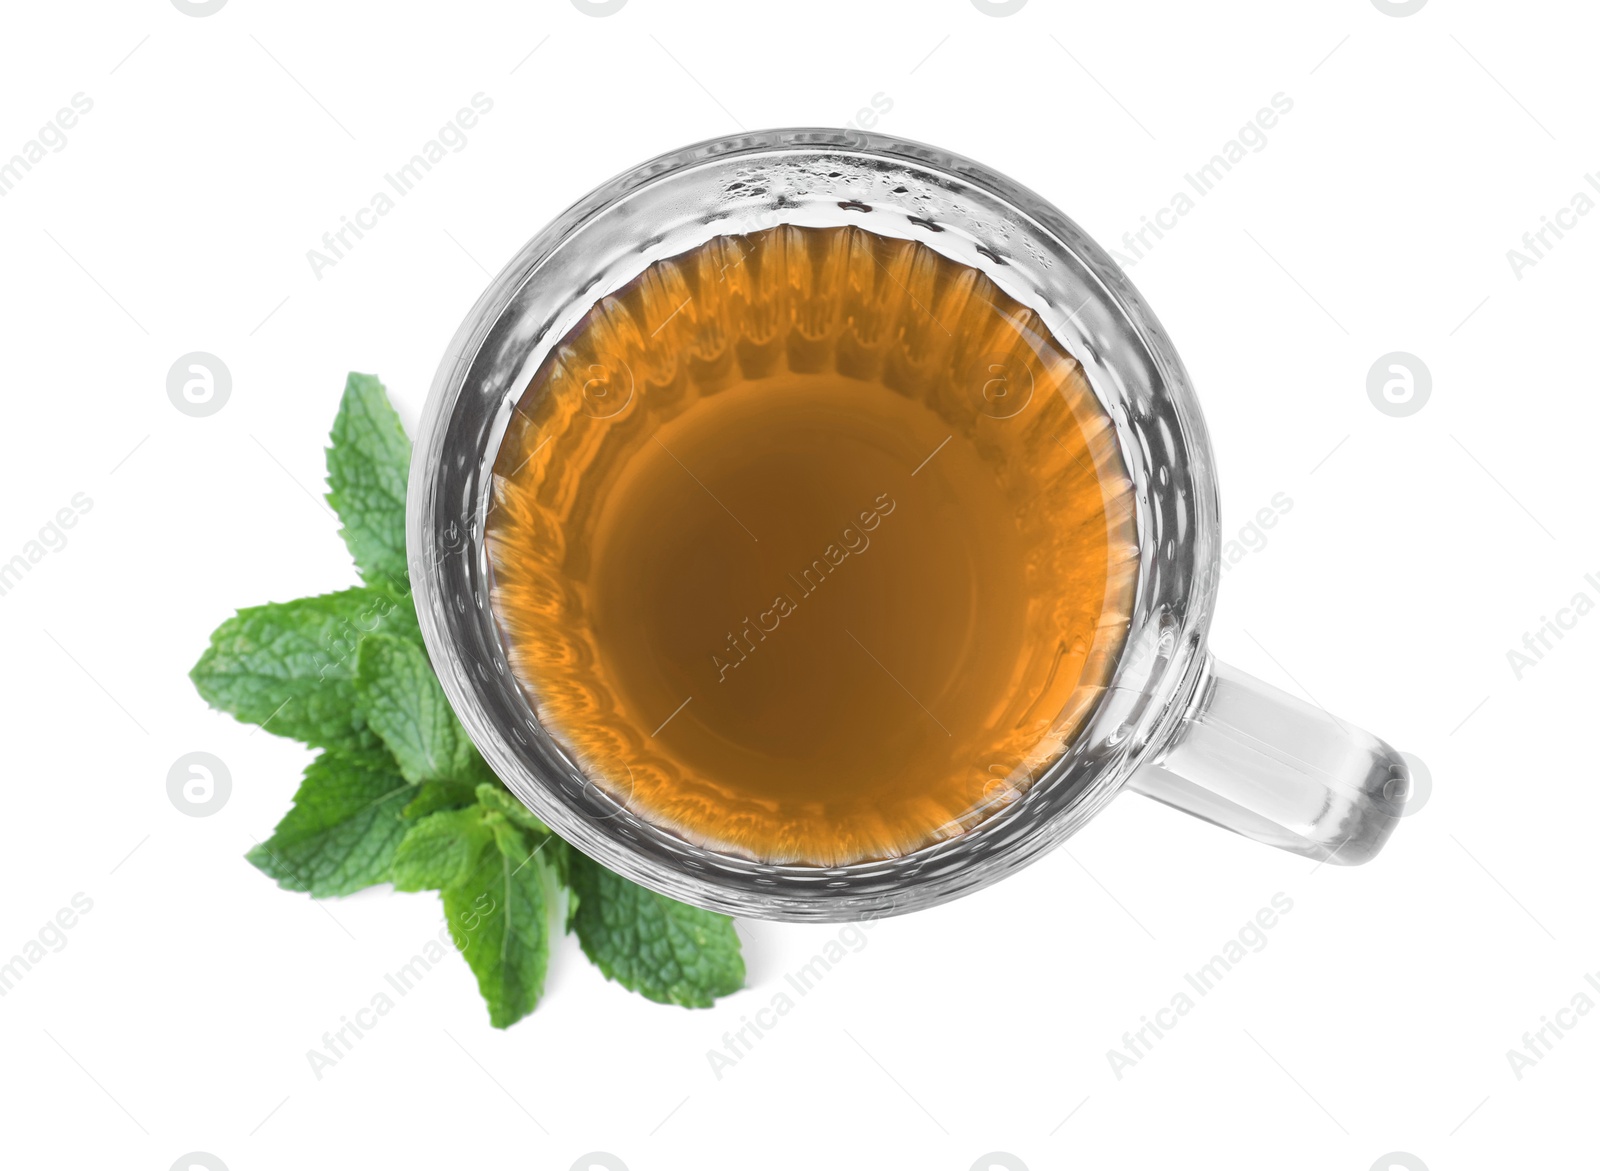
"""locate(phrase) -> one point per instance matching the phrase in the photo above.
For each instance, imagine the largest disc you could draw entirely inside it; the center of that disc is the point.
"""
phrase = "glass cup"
(1173, 724)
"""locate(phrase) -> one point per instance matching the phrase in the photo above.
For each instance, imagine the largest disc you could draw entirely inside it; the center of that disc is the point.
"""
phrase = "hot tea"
(811, 546)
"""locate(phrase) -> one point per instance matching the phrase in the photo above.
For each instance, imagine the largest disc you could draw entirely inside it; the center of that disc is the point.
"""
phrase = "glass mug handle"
(1258, 761)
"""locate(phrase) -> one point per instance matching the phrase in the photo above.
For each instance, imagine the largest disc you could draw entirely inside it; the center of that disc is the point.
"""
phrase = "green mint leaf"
(291, 666)
(492, 796)
(552, 850)
(557, 856)
(403, 703)
(432, 796)
(368, 463)
(664, 950)
(343, 829)
(441, 850)
(500, 919)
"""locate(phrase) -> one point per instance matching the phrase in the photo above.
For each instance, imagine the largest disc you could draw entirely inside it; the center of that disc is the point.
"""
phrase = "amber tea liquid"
(811, 546)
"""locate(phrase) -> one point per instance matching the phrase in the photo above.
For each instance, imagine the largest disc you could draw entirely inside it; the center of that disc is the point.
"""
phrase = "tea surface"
(811, 546)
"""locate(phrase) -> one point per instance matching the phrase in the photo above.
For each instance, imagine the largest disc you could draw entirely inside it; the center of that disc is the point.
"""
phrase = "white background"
(1417, 553)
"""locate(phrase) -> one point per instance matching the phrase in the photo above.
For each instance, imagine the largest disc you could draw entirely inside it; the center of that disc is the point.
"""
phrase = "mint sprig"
(403, 703)
(664, 950)
(348, 817)
(290, 667)
(400, 794)
(368, 463)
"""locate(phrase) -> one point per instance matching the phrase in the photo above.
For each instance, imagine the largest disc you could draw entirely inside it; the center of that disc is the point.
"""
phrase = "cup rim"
(1130, 363)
